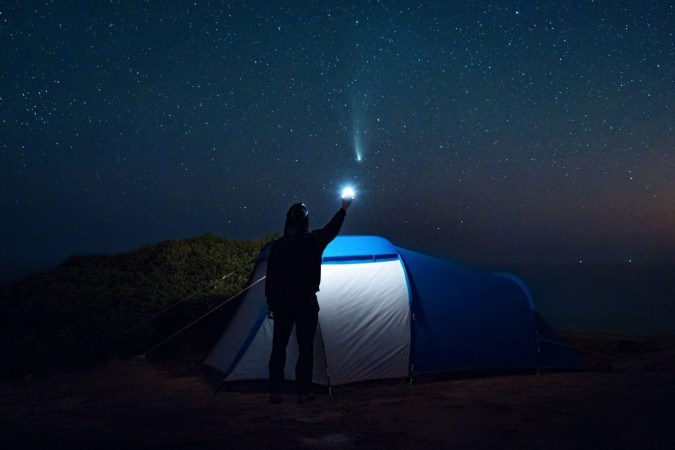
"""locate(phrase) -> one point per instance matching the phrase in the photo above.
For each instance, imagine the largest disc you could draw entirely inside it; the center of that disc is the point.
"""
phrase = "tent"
(388, 312)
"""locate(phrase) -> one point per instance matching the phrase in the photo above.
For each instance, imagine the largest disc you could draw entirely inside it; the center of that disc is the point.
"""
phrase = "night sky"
(488, 132)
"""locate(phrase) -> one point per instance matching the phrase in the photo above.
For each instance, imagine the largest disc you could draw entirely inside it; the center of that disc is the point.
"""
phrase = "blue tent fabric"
(467, 319)
(553, 352)
(521, 284)
(260, 318)
(345, 249)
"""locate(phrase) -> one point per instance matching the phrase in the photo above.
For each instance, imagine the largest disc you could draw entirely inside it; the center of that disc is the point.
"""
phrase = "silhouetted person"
(293, 277)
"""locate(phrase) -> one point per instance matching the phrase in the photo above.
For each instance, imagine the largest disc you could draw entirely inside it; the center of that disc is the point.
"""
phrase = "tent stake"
(219, 387)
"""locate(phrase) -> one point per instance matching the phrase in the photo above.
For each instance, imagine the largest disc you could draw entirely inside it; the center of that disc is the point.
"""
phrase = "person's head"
(297, 220)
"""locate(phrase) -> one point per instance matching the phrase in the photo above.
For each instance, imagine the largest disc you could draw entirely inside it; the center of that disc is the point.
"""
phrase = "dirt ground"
(625, 399)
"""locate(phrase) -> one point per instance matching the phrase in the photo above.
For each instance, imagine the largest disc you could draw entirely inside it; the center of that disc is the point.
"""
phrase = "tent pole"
(219, 387)
(325, 358)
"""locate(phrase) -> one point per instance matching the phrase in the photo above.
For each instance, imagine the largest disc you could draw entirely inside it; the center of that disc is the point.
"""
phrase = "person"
(293, 278)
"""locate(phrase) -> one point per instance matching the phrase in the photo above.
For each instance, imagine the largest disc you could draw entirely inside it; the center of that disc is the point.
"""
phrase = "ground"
(625, 399)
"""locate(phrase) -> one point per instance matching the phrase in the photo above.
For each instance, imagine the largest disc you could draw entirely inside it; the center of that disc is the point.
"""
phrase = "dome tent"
(388, 312)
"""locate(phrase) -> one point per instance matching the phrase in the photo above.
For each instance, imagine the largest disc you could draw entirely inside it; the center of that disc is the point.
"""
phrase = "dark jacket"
(294, 265)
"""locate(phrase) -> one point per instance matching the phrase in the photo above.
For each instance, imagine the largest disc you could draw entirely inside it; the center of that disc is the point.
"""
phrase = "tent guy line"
(138, 325)
(145, 353)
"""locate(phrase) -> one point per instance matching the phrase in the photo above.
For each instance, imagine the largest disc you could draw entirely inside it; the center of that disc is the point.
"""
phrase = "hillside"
(66, 313)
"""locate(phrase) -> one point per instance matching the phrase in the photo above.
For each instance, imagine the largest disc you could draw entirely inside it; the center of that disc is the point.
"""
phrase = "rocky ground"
(624, 399)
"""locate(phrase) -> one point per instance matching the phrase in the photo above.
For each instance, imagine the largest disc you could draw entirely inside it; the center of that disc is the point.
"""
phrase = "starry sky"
(484, 131)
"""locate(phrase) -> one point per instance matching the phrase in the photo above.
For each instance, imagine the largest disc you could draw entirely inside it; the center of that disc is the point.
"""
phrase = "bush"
(73, 311)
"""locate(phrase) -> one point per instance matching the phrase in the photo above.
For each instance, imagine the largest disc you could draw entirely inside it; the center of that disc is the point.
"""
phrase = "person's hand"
(270, 314)
(348, 195)
(346, 203)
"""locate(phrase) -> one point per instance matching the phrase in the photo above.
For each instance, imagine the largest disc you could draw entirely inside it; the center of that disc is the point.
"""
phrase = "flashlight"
(348, 193)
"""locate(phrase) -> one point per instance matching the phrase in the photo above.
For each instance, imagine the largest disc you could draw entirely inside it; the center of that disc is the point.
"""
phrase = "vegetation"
(78, 310)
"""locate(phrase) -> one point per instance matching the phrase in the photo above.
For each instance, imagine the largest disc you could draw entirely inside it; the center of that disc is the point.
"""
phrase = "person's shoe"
(304, 398)
(276, 397)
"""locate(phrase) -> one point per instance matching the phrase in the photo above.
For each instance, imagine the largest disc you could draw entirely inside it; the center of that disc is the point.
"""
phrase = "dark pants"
(305, 320)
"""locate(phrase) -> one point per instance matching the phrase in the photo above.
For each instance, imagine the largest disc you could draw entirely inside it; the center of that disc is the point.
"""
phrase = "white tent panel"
(365, 321)
(254, 363)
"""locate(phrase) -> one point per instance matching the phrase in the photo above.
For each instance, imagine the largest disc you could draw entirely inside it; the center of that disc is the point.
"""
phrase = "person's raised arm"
(328, 233)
